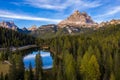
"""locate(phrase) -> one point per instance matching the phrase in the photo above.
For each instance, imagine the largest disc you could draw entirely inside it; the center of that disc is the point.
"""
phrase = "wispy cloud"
(8, 14)
(62, 4)
(111, 12)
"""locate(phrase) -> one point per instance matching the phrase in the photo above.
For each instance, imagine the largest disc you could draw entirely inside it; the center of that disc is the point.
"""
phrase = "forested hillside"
(89, 56)
(10, 37)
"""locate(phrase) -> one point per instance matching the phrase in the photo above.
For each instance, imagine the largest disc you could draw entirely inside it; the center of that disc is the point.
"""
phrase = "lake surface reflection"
(46, 59)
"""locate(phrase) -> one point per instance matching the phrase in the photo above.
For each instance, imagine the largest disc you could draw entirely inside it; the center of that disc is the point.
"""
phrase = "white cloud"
(32, 56)
(45, 54)
(113, 11)
(47, 67)
(110, 12)
(7, 14)
(61, 4)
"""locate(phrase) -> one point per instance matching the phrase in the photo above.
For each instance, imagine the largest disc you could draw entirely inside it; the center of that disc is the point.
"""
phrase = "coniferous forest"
(9, 38)
(88, 56)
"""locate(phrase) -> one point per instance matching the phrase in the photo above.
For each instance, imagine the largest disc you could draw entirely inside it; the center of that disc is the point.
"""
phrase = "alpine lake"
(30, 54)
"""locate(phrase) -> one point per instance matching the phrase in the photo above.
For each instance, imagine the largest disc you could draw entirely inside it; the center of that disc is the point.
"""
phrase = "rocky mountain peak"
(77, 19)
(76, 12)
(9, 25)
(24, 29)
(32, 28)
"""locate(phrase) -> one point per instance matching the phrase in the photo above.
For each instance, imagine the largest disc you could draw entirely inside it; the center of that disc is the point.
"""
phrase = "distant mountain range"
(11, 25)
(78, 22)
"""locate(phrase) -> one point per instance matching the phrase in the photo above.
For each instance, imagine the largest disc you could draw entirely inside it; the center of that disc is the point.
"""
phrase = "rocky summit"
(9, 25)
(112, 22)
(78, 19)
(32, 28)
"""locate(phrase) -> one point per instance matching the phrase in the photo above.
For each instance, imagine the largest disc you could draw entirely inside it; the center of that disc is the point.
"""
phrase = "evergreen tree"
(117, 65)
(84, 66)
(12, 70)
(20, 67)
(108, 65)
(59, 74)
(97, 54)
(112, 76)
(10, 37)
(55, 66)
(30, 75)
(2, 56)
(60, 71)
(38, 67)
(69, 67)
(26, 76)
(67, 44)
(6, 77)
(93, 71)
(1, 76)
(78, 64)
(80, 51)
(90, 68)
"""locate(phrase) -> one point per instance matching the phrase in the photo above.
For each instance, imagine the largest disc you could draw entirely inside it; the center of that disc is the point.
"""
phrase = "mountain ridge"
(77, 19)
(9, 25)
(78, 22)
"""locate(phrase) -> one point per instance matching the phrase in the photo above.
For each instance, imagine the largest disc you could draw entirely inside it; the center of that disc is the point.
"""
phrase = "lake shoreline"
(19, 48)
(47, 60)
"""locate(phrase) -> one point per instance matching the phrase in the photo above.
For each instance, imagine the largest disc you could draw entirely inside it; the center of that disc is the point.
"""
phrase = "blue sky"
(26, 13)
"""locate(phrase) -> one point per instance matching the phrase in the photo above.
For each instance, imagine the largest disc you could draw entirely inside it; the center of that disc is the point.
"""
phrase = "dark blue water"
(46, 59)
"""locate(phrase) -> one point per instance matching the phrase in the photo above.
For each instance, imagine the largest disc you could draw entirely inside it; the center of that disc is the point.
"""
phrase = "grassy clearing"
(4, 67)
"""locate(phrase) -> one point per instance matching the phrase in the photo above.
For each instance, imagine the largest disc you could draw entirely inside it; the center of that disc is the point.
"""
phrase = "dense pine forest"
(88, 56)
(11, 38)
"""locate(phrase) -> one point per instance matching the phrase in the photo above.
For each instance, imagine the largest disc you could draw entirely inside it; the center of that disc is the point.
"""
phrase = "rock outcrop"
(32, 28)
(48, 28)
(9, 25)
(112, 22)
(78, 19)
